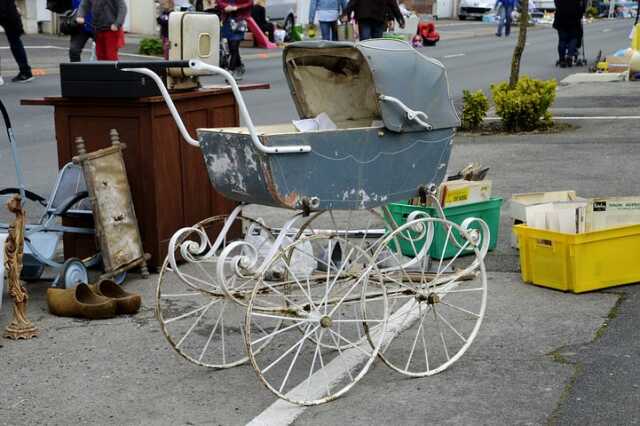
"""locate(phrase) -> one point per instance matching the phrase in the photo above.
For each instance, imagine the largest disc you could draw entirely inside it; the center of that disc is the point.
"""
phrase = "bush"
(526, 106)
(151, 46)
(474, 109)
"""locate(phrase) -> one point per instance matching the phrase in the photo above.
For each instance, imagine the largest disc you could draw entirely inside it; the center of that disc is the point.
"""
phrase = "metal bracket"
(412, 115)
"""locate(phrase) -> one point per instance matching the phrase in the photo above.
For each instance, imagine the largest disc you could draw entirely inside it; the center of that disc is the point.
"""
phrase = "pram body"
(377, 154)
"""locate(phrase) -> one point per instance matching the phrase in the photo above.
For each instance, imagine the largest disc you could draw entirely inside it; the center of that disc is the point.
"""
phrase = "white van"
(474, 8)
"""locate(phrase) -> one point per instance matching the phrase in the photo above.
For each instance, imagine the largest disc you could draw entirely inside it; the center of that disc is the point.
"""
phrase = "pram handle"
(417, 116)
(201, 66)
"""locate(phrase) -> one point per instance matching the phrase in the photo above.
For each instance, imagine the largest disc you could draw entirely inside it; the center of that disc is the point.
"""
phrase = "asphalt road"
(508, 377)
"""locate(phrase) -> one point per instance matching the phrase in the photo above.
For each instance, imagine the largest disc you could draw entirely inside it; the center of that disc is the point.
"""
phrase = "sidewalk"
(526, 367)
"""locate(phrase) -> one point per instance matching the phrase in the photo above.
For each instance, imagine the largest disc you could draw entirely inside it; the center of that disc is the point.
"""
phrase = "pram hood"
(345, 80)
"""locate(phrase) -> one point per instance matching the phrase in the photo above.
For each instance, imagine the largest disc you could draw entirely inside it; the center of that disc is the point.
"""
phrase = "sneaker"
(22, 78)
(238, 73)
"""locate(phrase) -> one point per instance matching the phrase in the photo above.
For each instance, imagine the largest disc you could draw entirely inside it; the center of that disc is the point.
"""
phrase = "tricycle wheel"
(319, 350)
(436, 305)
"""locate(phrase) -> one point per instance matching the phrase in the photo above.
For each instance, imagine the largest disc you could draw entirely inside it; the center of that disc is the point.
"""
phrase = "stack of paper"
(567, 217)
(606, 213)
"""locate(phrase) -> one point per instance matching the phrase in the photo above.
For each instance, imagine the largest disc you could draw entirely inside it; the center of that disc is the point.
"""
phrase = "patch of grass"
(613, 313)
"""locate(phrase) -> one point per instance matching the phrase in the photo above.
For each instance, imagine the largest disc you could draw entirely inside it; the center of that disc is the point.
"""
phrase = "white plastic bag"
(302, 263)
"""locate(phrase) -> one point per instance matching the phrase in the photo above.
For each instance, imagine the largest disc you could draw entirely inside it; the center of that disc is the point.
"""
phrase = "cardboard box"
(617, 63)
(605, 213)
(521, 203)
(460, 192)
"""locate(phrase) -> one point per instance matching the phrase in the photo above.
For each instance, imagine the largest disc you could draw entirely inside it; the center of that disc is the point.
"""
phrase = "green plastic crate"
(489, 211)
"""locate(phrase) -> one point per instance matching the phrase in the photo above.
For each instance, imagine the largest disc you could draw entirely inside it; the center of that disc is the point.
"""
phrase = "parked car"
(283, 12)
(474, 8)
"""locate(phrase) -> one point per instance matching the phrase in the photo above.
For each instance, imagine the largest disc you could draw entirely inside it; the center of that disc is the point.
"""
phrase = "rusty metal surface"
(346, 169)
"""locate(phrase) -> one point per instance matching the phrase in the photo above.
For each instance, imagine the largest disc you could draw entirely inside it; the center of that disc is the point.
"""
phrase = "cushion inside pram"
(336, 81)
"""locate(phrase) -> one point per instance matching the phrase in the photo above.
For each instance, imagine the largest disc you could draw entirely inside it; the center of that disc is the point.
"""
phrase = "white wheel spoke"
(458, 308)
(424, 344)
(195, 311)
(224, 359)
(281, 317)
(308, 295)
(195, 323)
(447, 323)
(357, 320)
(415, 340)
(176, 295)
(461, 290)
(347, 294)
(213, 330)
(335, 342)
(293, 361)
(444, 343)
(275, 333)
(350, 343)
(326, 376)
(288, 351)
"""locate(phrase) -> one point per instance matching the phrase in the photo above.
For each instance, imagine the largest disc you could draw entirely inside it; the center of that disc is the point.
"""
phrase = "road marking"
(597, 117)
(283, 413)
(455, 55)
(606, 30)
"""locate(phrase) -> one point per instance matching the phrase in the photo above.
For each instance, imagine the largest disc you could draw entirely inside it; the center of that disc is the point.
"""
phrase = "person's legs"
(235, 61)
(507, 20)
(334, 31)
(572, 49)
(377, 28)
(107, 45)
(501, 19)
(325, 30)
(364, 29)
(76, 44)
(17, 49)
(562, 47)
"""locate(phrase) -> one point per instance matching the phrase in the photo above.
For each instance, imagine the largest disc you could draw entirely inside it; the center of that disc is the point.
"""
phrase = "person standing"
(505, 9)
(108, 17)
(11, 22)
(79, 38)
(371, 16)
(234, 26)
(166, 7)
(328, 12)
(567, 21)
(259, 14)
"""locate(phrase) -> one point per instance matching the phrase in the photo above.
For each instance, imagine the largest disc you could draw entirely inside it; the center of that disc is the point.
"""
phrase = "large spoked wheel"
(197, 317)
(319, 351)
(436, 305)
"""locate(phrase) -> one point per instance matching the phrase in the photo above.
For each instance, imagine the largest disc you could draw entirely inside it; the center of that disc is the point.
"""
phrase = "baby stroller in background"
(68, 199)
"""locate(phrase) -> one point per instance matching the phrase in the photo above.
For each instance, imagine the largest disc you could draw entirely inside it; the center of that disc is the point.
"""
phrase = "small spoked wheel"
(319, 350)
(198, 319)
(436, 305)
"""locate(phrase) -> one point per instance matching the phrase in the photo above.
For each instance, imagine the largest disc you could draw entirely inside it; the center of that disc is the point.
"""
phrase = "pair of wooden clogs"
(105, 299)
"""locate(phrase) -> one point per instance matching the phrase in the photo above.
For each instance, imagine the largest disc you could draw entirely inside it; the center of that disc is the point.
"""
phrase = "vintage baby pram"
(312, 304)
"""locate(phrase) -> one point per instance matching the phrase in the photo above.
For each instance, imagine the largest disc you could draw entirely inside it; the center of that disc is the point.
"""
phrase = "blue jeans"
(567, 42)
(329, 30)
(369, 28)
(505, 20)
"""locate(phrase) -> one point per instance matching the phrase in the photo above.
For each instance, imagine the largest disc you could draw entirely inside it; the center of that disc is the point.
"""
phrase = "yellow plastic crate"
(579, 262)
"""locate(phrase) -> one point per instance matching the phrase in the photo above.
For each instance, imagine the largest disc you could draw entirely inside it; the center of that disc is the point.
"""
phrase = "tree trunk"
(522, 40)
